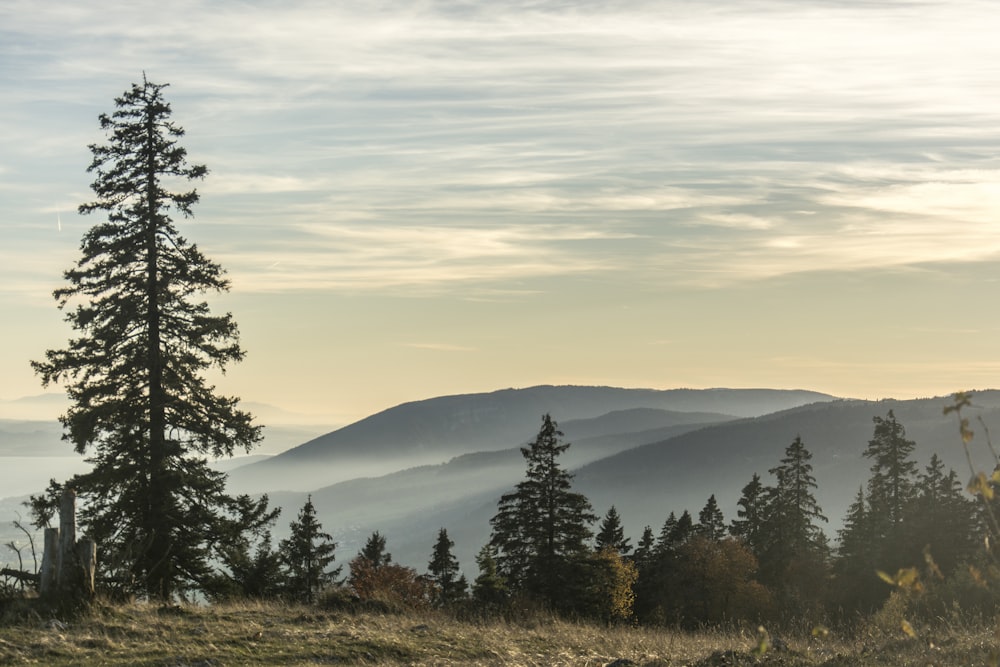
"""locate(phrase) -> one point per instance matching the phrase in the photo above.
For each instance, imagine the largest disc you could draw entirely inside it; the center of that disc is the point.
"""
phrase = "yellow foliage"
(619, 585)
(390, 583)
(932, 565)
(907, 578)
(821, 632)
(763, 641)
(980, 486)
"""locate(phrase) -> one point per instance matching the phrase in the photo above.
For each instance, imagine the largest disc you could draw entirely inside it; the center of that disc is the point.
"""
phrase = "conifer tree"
(374, 551)
(855, 537)
(306, 555)
(942, 519)
(668, 534)
(681, 531)
(792, 510)
(489, 588)
(856, 562)
(611, 534)
(444, 571)
(247, 572)
(645, 551)
(750, 515)
(711, 523)
(891, 490)
(794, 549)
(646, 558)
(657, 587)
(540, 530)
(141, 408)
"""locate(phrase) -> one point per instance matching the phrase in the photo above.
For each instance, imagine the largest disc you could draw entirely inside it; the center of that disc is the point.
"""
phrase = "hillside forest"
(911, 546)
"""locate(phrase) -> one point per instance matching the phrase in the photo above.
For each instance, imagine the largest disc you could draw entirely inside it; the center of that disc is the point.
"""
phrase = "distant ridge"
(654, 477)
(437, 429)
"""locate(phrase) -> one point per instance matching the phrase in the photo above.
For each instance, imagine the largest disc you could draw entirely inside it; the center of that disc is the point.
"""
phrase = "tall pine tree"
(942, 519)
(750, 515)
(540, 530)
(856, 563)
(444, 572)
(794, 549)
(306, 555)
(711, 522)
(891, 491)
(141, 408)
(645, 551)
(490, 588)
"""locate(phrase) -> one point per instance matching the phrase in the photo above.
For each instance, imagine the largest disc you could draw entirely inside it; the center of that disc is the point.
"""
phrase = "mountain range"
(647, 462)
(434, 430)
(444, 462)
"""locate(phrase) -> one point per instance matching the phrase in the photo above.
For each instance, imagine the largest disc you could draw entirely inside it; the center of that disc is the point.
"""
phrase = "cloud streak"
(442, 144)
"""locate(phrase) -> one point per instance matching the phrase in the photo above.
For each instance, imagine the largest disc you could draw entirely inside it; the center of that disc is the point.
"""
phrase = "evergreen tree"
(855, 550)
(646, 559)
(374, 551)
(645, 551)
(792, 510)
(668, 533)
(941, 519)
(749, 524)
(682, 531)
(890, 487)
(794, 548)
(141, 407)
(540, 530)
(444, 571)
(657, 590)
(611, 534)
(855, 565)
(489, 588)
(306, 555)
(246, 573)
(711, 523)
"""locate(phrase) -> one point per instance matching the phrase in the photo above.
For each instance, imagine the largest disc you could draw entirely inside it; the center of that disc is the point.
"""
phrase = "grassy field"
(273, 634)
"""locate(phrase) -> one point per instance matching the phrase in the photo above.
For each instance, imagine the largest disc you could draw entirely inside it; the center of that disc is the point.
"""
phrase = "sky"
(423, 198)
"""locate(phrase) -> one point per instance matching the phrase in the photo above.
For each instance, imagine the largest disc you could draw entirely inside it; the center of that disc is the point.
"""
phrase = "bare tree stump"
(50, 563)
(87, 555)
(67, 573)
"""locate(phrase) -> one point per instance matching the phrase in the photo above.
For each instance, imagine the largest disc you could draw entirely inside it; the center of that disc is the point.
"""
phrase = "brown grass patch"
(276, 634)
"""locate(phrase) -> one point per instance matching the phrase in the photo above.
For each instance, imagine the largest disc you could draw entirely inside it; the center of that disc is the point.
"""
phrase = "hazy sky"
(423, 198)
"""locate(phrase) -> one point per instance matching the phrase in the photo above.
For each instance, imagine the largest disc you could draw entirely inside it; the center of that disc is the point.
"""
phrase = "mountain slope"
(437, 429)
(646, 483)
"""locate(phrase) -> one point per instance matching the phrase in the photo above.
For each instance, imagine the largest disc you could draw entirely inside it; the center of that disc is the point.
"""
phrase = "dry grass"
(273, 634)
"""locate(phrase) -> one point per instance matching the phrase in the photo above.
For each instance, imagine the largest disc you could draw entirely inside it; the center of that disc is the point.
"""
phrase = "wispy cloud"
(390, 144)
(373, 256)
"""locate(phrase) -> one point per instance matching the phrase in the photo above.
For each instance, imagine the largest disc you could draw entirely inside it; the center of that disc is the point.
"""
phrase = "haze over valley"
(443, 462)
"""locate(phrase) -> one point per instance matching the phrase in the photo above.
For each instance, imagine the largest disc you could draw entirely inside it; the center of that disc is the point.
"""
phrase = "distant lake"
(21, 475)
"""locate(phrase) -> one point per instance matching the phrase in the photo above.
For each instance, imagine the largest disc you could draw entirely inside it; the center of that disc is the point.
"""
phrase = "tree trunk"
(86, 553)
(157, 561)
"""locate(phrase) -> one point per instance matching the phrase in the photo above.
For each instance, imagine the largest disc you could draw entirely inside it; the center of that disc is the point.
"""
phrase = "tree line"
(772, 562)
(148, 421)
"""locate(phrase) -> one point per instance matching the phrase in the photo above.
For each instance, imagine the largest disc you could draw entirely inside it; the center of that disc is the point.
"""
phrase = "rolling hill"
(438, 429)
(645, 482)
